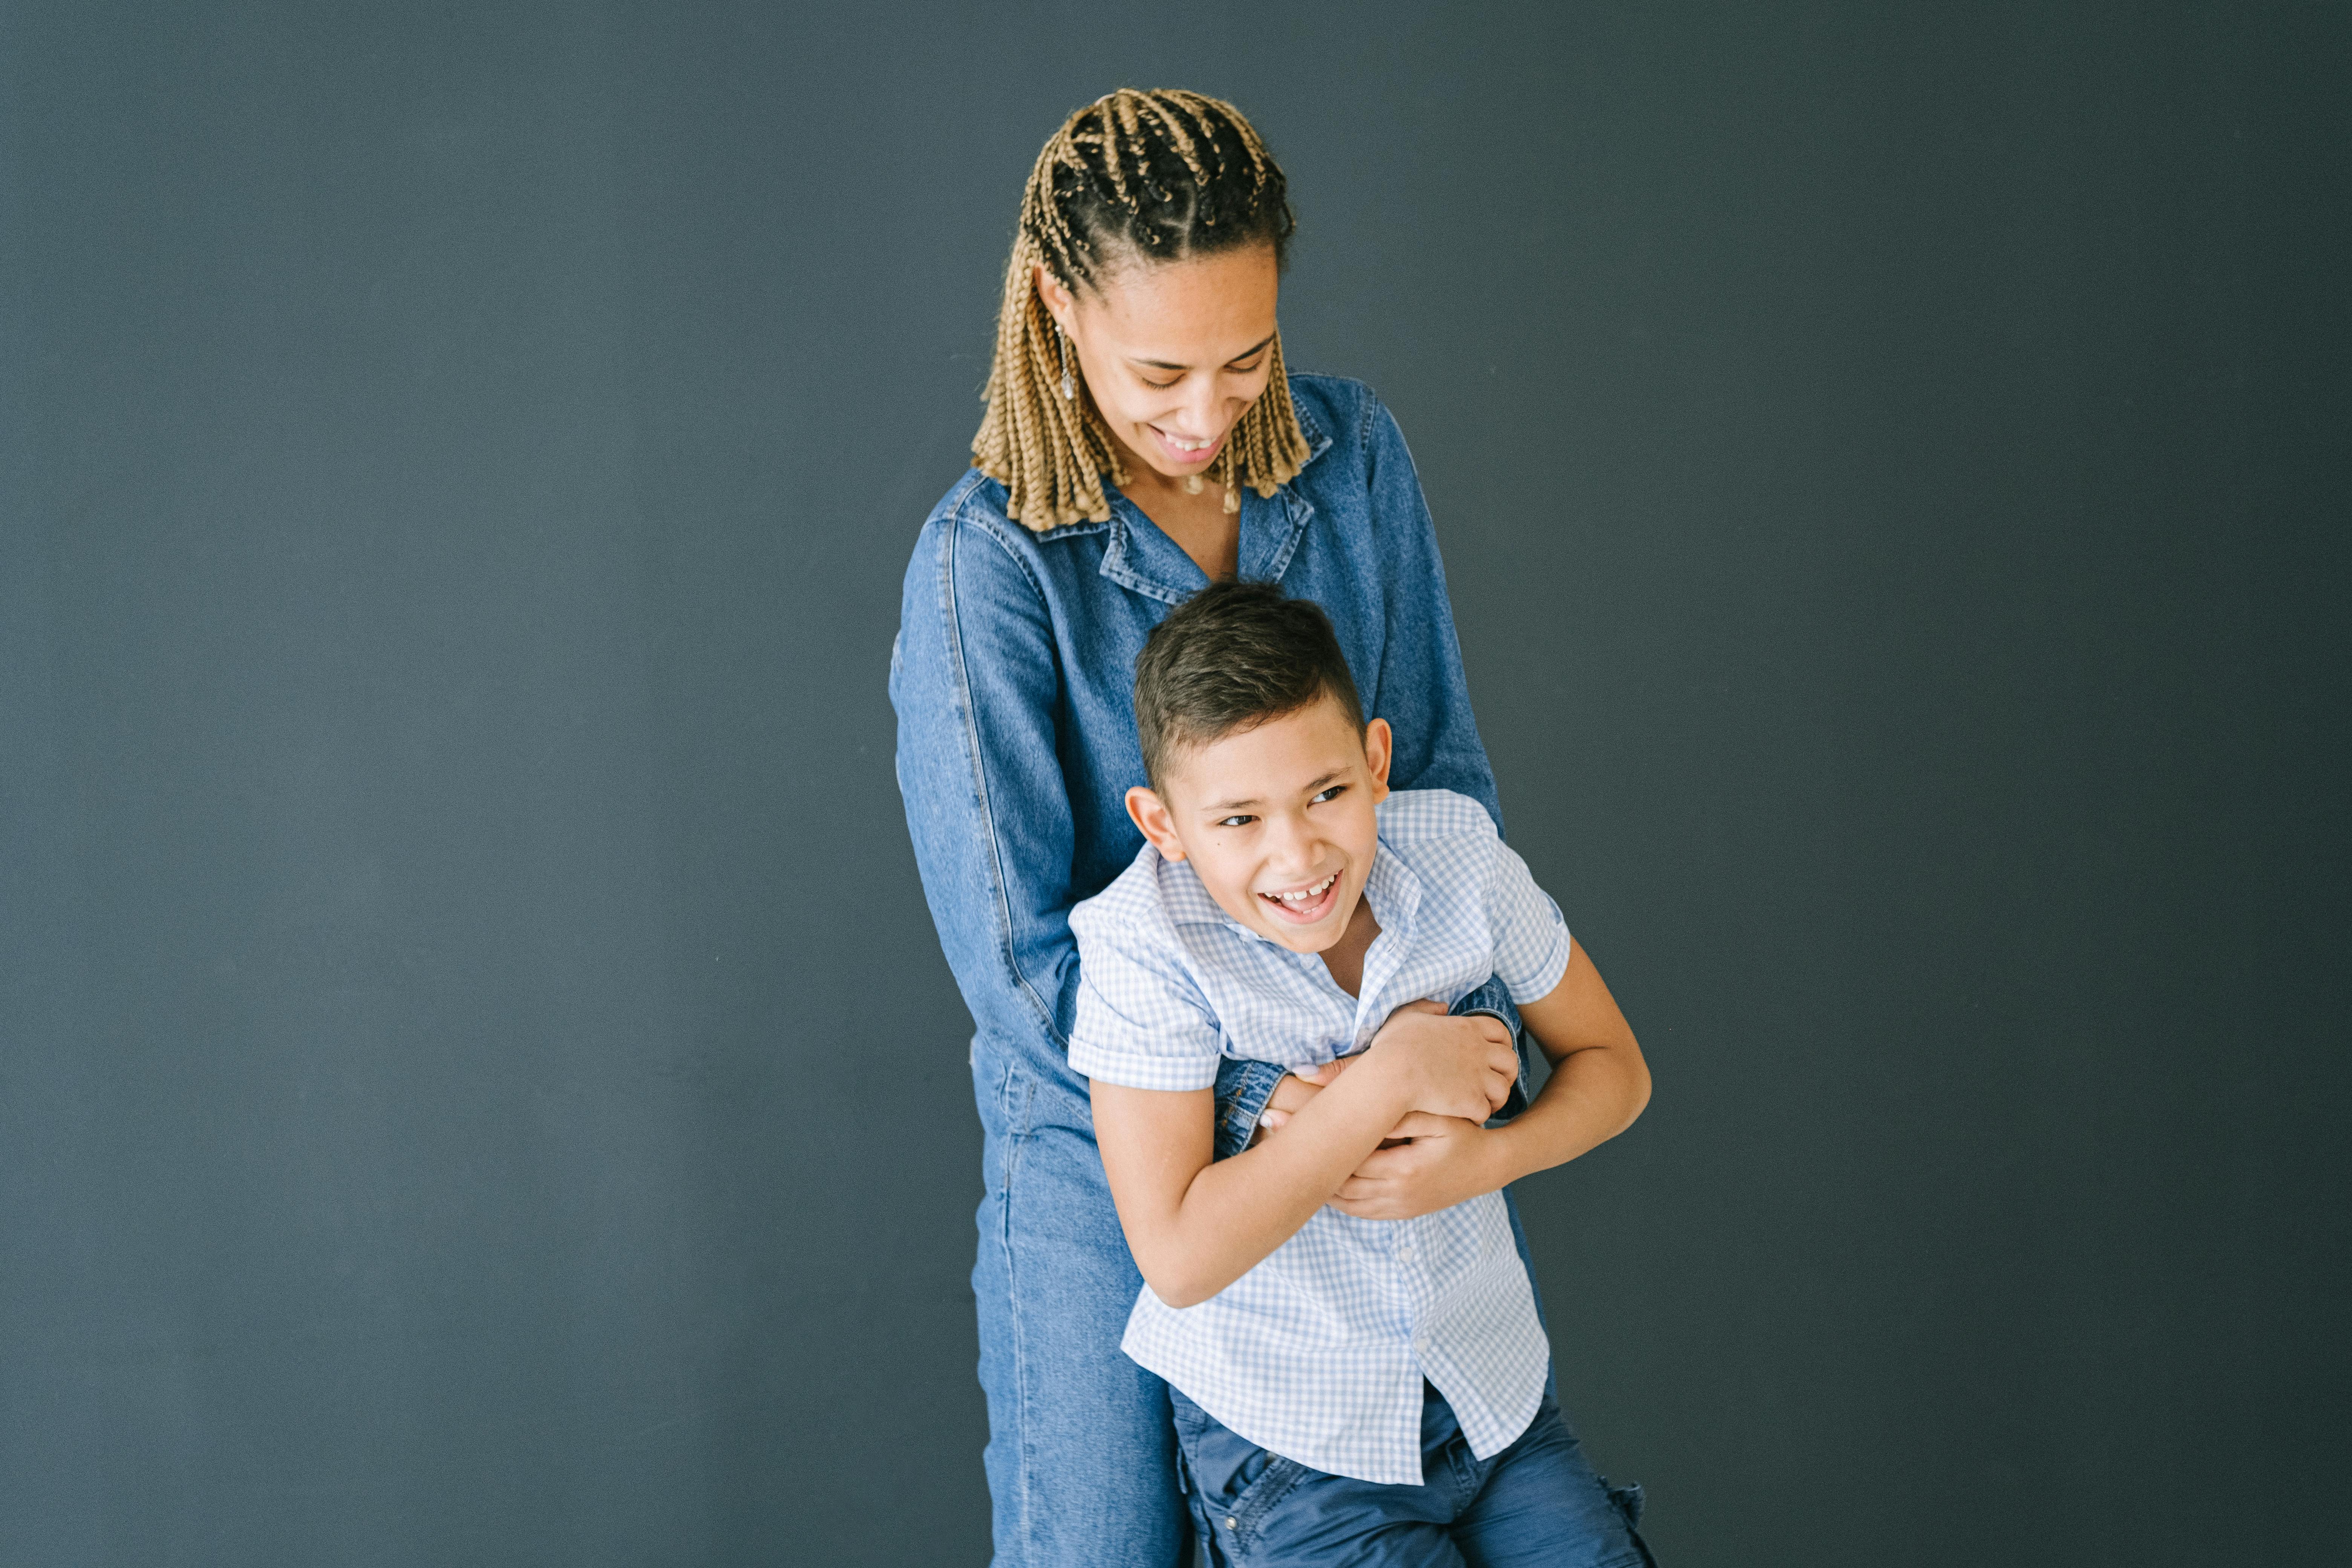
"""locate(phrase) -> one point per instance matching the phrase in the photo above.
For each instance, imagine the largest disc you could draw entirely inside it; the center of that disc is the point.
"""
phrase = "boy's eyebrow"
(1170, 365)
(1314, 786)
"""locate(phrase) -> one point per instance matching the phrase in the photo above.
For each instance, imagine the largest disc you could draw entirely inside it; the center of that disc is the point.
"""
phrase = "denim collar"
(1141, 559)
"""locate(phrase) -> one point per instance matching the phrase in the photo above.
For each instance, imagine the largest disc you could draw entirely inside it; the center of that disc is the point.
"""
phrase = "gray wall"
(476, 1080)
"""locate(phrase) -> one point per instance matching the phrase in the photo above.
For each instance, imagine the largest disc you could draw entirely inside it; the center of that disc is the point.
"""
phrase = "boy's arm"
(1195, 1226)
(1598, 1084)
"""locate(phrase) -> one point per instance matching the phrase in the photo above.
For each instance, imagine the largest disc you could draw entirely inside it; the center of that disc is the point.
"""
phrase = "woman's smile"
(1188, 452)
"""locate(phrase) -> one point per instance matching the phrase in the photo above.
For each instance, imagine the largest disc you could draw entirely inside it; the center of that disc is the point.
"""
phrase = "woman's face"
(1174, 351)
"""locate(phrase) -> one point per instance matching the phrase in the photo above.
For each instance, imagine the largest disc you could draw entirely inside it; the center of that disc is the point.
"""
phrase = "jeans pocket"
(1237, 1522)
(1233, 1483)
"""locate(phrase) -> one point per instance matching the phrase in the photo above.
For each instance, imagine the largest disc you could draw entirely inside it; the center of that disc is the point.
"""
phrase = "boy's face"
(1277, 820)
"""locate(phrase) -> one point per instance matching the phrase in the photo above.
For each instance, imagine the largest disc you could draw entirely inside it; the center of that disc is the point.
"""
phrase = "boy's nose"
(1290, 850)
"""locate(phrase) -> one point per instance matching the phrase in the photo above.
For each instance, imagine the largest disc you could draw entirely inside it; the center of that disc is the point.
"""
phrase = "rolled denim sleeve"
(1243, 1090)
(976, 682)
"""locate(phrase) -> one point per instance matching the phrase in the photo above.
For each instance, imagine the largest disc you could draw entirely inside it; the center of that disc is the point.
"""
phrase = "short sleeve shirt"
(1318, 1353)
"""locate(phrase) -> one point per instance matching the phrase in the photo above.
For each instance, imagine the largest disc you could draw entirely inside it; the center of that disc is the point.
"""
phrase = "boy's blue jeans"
(1536, 1504)
(1081, 1455)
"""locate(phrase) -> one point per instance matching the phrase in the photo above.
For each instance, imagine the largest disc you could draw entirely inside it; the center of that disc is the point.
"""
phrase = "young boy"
(1351, 1383)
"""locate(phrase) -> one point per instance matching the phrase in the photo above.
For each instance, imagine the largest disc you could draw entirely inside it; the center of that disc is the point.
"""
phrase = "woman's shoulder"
(973, 501)
(975, 504)
(1334, 410)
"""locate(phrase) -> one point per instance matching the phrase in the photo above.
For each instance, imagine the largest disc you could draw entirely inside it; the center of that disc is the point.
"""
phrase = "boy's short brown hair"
(1230, 658)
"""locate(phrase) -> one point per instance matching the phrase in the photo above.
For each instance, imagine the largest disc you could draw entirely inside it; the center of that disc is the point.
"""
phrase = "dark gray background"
(478, 1082)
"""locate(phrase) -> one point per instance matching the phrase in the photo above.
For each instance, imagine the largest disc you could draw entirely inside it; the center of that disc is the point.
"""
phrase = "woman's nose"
(1203, 407)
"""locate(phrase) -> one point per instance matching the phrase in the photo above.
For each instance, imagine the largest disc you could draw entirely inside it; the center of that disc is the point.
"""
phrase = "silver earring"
(1062, 352)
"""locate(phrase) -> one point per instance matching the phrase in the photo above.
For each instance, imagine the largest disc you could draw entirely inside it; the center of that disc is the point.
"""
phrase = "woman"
(1142, 438)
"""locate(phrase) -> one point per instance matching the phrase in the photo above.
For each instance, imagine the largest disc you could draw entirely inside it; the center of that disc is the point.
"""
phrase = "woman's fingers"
(1291, 1095)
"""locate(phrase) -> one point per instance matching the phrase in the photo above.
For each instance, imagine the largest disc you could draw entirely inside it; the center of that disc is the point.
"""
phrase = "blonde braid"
(1052, 453)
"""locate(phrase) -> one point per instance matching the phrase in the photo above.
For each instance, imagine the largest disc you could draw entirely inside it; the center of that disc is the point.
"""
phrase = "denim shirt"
(1014, 673)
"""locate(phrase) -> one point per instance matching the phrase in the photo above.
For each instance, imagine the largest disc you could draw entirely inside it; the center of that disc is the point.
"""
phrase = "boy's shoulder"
(1426, 818)
(1144, 903)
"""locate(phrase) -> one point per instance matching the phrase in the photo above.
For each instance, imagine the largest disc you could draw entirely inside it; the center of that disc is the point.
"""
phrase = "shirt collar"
(1394, 892)
(1141, 558)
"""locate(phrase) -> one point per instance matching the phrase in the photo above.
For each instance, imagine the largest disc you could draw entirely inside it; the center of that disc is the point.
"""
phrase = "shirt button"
(1404, 1252)
(1230, 1524)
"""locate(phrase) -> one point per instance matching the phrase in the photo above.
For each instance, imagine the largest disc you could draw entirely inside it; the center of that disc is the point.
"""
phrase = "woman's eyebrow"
(1170, 365)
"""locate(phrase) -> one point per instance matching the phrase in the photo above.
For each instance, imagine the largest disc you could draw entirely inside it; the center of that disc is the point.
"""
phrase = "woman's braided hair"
(1155, 176)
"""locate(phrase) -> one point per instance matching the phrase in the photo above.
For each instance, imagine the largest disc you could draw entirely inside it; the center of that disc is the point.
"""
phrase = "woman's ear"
(1379, 750)
(1155, 822)
(1056, 298)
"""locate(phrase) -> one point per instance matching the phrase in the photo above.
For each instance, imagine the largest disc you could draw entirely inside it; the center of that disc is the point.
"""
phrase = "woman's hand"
(1299, 1086)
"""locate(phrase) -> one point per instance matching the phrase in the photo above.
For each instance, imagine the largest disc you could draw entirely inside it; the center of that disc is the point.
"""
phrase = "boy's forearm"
(1591, 1096)
(1598, 1081)
(1234, 1213)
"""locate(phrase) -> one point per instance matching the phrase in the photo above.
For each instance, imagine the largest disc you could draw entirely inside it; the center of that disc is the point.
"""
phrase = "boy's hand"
(1445, 1066)
(1301, 1084)
(1446, 1160)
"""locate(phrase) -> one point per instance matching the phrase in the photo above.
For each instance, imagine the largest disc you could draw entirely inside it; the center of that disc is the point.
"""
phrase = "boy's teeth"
(1310, 894)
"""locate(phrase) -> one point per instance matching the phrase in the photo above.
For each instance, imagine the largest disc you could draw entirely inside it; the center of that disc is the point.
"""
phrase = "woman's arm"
(1195, 1226)
(976, 684)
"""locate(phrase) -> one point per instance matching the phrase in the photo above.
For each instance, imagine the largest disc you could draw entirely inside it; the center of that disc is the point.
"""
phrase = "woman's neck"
(1199, 523)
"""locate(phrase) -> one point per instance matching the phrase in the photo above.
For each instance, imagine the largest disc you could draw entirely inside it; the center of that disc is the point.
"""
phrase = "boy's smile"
(1277, 820)
(1308, 905)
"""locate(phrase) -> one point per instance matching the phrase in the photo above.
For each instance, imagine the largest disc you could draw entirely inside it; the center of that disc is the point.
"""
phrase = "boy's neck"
(1344, 957)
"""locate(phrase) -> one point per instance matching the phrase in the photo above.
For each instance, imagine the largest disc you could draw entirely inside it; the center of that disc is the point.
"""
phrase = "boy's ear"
(1379, 750)
(1154, 821)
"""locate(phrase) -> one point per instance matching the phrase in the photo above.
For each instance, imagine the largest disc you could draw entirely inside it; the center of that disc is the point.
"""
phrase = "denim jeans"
(1536, 1504)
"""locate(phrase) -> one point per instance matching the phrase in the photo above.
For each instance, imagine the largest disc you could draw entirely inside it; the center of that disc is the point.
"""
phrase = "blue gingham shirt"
(1318, 1353)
